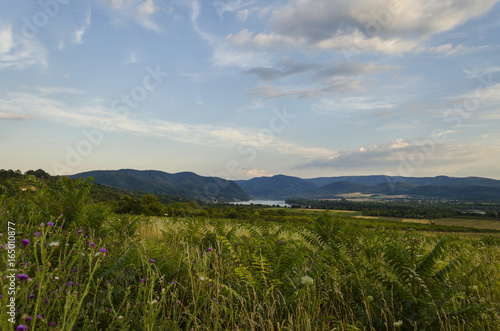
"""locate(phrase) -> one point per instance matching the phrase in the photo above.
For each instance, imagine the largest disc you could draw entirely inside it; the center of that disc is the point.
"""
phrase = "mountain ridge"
(185, 183)
(325, 187)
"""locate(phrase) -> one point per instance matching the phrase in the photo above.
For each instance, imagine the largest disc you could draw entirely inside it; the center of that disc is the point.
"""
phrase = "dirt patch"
(414, 220)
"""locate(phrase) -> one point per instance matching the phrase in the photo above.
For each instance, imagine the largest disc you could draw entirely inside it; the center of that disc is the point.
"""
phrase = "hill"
(440, 187)
(279, 186)
(185, 184)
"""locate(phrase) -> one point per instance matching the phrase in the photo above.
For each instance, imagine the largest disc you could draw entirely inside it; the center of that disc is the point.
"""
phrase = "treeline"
(16, 183)
(415, 210)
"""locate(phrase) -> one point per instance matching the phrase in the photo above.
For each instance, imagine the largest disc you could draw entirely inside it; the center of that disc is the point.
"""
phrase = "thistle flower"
(152, 261)
(51, 225)
(92, 245)
(22, 327)
(209, 249)
(37, 234)
(102, 250)
(22, 277)
(25, 242)
(306, 280)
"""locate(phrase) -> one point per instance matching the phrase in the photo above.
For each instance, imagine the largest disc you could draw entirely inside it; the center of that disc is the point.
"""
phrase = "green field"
(82, 267)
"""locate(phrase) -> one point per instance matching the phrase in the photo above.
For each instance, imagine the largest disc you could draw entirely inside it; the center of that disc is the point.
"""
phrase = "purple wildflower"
(209, 249)
(51, 225)
(25, 242)
(39, 317)
(22, 277)
(22, 327)
(92, 244)
(102, 250)
(152, 261)
(80, 231)
(52, 324)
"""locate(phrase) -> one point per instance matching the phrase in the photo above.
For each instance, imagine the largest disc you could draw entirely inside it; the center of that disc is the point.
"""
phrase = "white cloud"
(131, 58)
(58, 90)
(224, 53)
(18, 52)
(230, 6)
(81, 31)
(140, 11)
(243, 15)
(28, 105)
(374, 26)
(353, 103)
(8, 116)
(252, 173)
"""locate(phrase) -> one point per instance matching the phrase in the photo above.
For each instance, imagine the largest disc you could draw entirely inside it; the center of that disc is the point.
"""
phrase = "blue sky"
(240, 89)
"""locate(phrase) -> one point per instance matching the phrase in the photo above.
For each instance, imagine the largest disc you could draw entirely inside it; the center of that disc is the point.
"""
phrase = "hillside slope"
(185, 184)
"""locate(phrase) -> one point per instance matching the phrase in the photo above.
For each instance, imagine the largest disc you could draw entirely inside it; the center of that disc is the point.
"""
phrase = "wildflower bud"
(306, 280)
(398, 324)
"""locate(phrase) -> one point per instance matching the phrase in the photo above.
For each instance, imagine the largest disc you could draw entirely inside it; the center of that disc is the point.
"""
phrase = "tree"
(151, 206)
(129, 205)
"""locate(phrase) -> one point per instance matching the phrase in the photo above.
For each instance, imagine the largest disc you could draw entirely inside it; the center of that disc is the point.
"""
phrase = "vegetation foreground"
(82, 267)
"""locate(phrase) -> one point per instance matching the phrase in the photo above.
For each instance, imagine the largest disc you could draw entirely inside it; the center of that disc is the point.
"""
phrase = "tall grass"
(141, 273)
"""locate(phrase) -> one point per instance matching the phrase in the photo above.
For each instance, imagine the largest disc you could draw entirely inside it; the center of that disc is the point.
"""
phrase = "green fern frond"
(425, 267)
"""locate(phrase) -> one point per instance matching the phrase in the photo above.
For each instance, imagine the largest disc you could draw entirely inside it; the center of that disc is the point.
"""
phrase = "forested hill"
(440, 187)
(185, 184)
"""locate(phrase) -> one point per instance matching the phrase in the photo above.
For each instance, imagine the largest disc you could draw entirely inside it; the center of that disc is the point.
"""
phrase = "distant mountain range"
(193, 186)
(185, 184)
(282, 187)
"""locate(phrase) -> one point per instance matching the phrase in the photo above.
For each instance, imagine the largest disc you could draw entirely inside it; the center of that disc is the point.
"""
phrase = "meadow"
(82, 267)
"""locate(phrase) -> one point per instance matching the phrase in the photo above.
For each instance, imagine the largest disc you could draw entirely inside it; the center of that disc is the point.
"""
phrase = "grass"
(475, 223)
(158, 273)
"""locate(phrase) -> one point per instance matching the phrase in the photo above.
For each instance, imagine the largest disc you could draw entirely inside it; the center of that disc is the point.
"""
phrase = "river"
(280, 203)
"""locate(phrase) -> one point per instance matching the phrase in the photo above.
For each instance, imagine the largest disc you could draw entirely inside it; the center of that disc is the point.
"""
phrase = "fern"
(119, 263)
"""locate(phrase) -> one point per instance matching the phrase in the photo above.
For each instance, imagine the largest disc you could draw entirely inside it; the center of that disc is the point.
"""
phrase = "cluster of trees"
(6, 174)
(416, 210)
(147, 204)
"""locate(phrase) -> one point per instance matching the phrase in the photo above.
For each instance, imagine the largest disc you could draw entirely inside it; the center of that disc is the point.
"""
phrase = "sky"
(248, 88)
